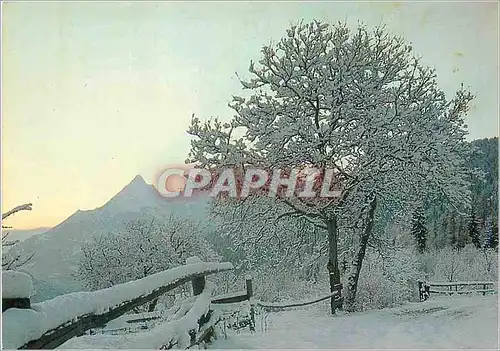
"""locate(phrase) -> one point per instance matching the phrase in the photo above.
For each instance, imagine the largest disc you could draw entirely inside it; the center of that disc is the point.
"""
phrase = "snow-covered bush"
(275, 285)
(145, 247)
(391, 280)
(469, 263)
(387, 280)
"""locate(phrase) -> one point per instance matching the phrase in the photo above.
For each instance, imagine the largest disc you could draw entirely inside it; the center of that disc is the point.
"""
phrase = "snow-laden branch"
(25, 207)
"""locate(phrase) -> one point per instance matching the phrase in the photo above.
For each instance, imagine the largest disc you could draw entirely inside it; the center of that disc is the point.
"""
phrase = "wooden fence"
(240, 296)
(49, 324)
(450, 288)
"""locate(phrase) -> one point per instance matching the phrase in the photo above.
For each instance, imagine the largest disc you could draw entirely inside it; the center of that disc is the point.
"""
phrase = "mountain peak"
(138, 179)
(138, 184)
(133, 197)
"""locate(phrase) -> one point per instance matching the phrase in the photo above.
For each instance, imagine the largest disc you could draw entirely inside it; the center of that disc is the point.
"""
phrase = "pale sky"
(95, 93)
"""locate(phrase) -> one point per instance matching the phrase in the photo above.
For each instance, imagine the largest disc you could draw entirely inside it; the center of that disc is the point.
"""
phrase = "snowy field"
(451, 323)
(443, 323)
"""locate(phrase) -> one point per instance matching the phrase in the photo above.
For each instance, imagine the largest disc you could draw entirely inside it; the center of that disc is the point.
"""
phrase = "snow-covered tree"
(473, 230)
(419, 230)
(449, 226)
(468, 263)
(249, 225)
(356, 102)
(491, 234)
(145, 247)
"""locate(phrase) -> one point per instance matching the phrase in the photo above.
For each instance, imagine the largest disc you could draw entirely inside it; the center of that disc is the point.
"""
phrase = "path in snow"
(461, 322)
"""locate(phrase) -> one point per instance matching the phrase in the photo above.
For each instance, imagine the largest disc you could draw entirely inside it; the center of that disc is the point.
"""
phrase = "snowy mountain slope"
(23, 234)
(57, 250)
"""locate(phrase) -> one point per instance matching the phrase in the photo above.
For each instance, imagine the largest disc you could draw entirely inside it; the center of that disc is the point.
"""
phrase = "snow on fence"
(50, 323)
(225, 304)
(17, 287)
(450, 288)
(190, 325)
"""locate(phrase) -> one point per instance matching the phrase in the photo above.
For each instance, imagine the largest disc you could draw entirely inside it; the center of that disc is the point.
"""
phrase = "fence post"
(420, 291)
(484, 289)
(249, 286)
(198, 283)
(248, 283)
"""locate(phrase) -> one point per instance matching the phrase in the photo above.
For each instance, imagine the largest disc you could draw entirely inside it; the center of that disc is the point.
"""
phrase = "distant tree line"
(439, 226)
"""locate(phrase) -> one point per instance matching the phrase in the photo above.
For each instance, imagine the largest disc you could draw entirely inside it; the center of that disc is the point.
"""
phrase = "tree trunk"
(352, 284)
(333, 262)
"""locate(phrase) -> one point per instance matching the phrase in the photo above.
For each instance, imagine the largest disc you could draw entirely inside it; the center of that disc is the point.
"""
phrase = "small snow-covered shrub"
(283, 283)
(391, 279)
(386, 281)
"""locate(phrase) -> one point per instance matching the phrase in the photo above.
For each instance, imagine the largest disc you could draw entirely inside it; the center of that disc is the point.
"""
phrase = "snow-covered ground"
(440, 323)
(461, 322)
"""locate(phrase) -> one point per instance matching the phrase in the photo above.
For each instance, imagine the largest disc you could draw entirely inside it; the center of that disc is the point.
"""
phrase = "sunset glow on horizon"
(96, 93)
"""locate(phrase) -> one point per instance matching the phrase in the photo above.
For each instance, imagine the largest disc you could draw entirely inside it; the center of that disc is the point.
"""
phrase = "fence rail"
(461, 283)
(451, 288)
(283, 305)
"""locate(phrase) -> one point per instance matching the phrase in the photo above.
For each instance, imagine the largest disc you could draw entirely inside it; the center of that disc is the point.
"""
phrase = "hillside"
(57, 251)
